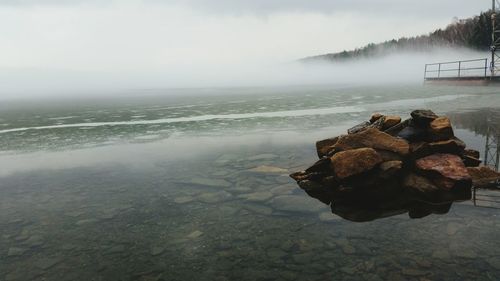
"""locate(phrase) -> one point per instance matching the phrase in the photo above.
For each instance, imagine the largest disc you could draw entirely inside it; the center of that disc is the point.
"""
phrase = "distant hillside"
(473, 33)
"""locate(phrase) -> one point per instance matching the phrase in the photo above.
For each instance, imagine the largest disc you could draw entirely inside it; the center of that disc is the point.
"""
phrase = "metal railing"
(457, 69)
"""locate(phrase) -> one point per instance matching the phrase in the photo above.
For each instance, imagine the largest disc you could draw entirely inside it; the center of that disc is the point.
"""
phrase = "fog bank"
(397, 68)
(75, 47)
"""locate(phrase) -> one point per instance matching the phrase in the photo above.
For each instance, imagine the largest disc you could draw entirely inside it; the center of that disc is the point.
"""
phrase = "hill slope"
(473, 33)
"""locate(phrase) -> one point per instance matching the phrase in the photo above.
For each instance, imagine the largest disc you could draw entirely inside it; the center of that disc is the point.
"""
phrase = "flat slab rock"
(373, 138)
(353, 162)
(447, 165)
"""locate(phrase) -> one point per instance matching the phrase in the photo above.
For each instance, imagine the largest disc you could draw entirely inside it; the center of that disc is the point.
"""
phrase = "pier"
(476, 71)
(481, 71)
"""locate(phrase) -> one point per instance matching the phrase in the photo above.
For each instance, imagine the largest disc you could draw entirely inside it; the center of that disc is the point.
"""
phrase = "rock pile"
(419, 157)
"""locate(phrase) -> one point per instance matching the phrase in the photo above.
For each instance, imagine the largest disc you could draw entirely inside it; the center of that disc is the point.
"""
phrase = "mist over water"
(398, 68)
(153, 140)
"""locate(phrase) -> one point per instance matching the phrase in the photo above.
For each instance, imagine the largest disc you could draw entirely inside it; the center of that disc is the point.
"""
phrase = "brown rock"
(440, 129)
(375, 117)
(424, 189)
(298, 176)
(377, 124)
(324, 146)
(359, 128)
(446, 169)
(390, 168)
(410, 133)
(472, 153)
(375, 139)
(353, 162)
(395, 130)
(453, 146)
(419, 183)
(471, 161)
(483, 176)
(391, 121)
(321, 166)
(310, 185)
(420, 149)
(389, 155)
(423, 117)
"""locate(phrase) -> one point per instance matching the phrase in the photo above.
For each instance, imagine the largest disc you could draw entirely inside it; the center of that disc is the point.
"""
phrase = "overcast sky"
(53, 43)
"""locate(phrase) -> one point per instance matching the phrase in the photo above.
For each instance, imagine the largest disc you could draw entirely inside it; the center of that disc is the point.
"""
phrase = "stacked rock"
(420, 156)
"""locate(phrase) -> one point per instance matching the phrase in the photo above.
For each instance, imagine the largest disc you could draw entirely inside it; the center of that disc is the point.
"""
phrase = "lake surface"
(162, 186)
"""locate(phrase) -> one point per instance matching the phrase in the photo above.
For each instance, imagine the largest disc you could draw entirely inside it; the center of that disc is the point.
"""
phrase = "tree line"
(473, 33)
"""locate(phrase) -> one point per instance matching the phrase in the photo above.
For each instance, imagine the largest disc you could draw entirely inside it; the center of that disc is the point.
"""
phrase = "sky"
(59, 45)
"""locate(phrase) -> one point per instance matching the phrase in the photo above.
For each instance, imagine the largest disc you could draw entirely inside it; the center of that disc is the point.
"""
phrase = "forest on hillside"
(473, 33)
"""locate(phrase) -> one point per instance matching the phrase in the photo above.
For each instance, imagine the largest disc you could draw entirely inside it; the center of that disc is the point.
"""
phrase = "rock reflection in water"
(370, 205)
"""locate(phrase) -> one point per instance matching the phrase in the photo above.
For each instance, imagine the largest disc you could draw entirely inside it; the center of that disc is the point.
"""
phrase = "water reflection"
(485, 122)
(369, 205)
(477, 120)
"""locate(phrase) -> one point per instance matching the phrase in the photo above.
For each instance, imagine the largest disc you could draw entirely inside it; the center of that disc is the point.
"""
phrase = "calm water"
(162, 188)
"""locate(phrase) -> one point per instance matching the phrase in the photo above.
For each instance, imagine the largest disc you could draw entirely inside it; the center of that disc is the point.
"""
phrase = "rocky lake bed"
(222, 206)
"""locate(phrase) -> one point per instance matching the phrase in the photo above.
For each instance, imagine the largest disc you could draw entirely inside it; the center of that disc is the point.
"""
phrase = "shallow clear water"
(162, 188)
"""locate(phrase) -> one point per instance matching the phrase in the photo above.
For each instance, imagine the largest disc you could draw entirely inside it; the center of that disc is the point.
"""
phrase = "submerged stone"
(16, 251)
(86, 221)
(283, 189)
(34, 241)
(116, 249)
(210, 182)
(295, 203)
(268, 170)
(156, 250)
(183, 199)
(47, 263)
(214, 197)
(258, 209)
(262, 157)
(257, 196)
(195, 234)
